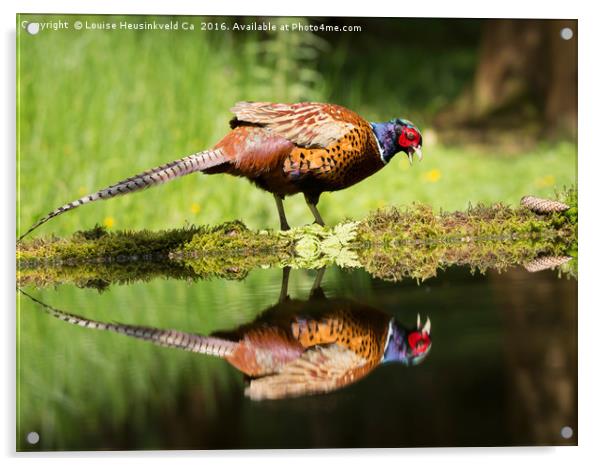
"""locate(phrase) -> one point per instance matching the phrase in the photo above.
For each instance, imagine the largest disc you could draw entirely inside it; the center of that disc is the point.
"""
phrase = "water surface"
(501, 370)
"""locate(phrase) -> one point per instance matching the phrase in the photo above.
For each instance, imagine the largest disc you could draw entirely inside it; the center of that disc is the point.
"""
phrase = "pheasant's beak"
(427, 326)
(418, 152)
(415, 150)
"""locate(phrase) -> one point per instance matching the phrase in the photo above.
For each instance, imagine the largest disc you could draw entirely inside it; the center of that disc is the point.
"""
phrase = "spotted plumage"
(284, 149)
(289, 330)
(296, 347)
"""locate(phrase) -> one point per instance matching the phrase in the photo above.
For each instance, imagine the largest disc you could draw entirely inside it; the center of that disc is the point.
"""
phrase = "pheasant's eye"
(410, 136)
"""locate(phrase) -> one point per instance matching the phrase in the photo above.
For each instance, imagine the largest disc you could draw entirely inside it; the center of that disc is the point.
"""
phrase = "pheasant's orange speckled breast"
(265, 348)
(345, 162)
(363, 333)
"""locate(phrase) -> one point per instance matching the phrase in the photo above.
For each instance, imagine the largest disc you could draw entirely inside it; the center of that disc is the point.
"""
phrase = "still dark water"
(502, 369)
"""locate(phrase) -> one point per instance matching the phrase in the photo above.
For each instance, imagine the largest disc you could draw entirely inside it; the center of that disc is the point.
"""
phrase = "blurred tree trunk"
(561, 101)
(525, 70)
(540, 347)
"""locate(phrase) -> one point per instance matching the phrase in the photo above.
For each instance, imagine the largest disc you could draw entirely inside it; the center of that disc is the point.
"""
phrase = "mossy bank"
(390, 243)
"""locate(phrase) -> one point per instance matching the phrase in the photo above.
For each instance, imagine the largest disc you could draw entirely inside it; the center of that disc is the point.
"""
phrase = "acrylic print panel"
(345, 296)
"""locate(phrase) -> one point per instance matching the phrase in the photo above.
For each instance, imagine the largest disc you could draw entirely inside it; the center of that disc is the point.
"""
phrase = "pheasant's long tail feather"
(162, 174)
(170, 338)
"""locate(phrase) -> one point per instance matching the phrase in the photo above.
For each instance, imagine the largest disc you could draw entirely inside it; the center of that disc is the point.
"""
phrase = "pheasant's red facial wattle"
(419, 342)
(409, 137)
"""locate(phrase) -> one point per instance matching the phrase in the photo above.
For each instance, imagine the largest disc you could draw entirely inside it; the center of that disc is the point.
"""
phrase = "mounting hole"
(566, 33)
(33, 438)
(566, 432)
(33, 28)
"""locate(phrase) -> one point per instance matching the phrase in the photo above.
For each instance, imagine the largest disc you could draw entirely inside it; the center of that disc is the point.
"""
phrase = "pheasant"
(296, 347)
(284, 149)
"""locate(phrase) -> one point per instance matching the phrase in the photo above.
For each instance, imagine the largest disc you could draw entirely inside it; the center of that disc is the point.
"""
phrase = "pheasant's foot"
(312, 204)
(316, 291)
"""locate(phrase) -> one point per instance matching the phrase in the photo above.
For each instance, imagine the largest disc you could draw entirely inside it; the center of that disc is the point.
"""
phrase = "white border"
(590, 152)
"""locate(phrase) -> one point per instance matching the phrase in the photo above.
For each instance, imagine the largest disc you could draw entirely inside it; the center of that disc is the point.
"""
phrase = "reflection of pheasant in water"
(295, 347)
(284, 149)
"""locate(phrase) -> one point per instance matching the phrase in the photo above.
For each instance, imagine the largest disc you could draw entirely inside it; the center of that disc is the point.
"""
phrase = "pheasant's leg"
(283, 223)
(284, 287)
(311, 203)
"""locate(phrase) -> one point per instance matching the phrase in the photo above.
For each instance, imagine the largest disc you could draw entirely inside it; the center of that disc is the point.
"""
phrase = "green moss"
(416, 242)
(232, 238)
(98, 245)
(102, 275)
(390, 243)
(231, 250)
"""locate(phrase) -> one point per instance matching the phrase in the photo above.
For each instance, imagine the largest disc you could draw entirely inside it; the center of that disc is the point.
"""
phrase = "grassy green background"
(95, 107)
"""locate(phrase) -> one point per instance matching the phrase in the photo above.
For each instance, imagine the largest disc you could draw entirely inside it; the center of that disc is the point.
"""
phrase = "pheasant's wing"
(317, 162)
(307, 124)
(319, 370)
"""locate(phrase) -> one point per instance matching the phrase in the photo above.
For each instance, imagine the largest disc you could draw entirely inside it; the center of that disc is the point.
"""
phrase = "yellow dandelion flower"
(108, 222)
(545, 181)
(432, 176)
(195, 208)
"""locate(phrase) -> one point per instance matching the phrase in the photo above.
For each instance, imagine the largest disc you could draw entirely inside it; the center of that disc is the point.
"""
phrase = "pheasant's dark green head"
(408, 346)
(395, 136)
